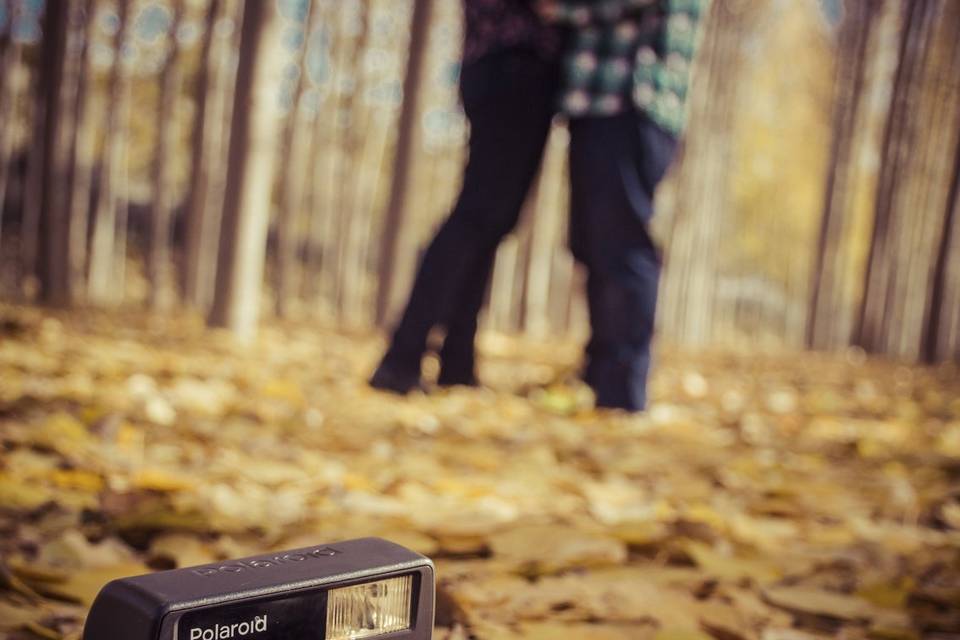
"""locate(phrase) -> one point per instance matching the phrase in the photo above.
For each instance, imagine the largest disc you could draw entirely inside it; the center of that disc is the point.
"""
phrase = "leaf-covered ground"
(764, 496)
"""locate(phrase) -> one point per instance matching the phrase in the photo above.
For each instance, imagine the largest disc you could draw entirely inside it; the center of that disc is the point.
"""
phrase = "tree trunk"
(219, 125)
(159, 267)
(53, 268)
(295, 144)
(687, 310)
(10, 55)
(32, 202)
(397, 261)
(121, 185)
(943, 334)
(246, 207)
(873, 302)
(321, 271)
(326, 260)
(913, 204)
(825, 328)
(359, 303)
(81, 156)
(6, 39)
(196, 260)
(355, 140)
(101, 283)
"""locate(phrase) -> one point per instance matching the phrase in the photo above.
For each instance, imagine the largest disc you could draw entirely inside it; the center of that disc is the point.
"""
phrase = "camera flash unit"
(366, 588)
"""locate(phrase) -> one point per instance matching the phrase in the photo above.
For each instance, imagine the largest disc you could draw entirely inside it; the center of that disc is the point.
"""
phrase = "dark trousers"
(615, 165)
(508, 98)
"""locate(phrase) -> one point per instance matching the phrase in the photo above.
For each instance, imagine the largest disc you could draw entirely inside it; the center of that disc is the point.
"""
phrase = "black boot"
(394, 378)
(457, 378)
(458, 358)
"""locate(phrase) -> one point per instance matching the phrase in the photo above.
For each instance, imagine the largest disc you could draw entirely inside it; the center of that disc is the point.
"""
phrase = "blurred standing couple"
(618, 71)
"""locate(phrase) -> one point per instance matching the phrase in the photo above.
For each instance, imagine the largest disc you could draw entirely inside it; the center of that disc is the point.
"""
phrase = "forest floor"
(776, 496)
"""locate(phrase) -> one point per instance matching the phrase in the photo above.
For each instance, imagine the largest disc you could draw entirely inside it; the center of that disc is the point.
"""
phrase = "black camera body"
(366, 588)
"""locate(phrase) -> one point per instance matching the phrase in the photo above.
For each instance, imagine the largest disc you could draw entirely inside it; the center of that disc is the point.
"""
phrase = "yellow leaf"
(681, 634)
(887, 594)
(559, 400)
(44, 632)
(549, 548)
(183, 550)
(820, 602)
(581, 631)
(13, 617)
(640, 533)
(731, 567)
(82, 586)
(78, 479)
(160, 480)
(63, 433)
(17, 494)
(284, 389)
(892, 633)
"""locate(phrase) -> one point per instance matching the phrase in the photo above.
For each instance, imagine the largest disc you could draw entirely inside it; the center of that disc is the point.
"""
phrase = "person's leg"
(508, 101)
(615, 165)
(458, 354)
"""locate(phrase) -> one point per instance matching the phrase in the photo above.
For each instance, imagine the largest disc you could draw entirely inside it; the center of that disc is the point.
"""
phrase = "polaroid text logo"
(266, 562)
(228, 631)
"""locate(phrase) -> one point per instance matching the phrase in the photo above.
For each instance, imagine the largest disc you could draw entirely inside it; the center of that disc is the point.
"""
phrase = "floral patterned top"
(496, 25)
(629, 51)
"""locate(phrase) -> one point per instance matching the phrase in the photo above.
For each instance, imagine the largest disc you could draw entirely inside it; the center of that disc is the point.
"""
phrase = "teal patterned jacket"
(629, 53)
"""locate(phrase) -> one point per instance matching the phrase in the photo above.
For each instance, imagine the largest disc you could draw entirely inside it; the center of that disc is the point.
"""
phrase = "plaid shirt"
(496, 25)
(629, 51)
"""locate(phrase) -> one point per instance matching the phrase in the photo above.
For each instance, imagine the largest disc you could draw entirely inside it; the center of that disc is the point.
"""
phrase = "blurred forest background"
(241, 158)
(278, 165)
